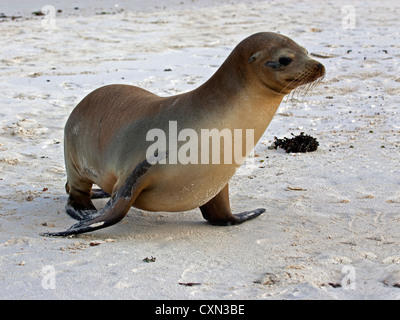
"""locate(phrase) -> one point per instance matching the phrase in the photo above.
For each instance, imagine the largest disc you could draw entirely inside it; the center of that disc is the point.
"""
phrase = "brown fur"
(105, 134)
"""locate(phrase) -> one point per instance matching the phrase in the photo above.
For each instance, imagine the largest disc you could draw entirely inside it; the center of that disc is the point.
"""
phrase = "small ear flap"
(254, 57)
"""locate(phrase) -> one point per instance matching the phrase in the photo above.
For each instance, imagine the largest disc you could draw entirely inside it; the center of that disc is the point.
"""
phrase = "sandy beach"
(331, 230)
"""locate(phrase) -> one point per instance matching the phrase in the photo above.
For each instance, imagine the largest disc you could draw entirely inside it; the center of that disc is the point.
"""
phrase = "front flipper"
(217, 211)
(115, 209)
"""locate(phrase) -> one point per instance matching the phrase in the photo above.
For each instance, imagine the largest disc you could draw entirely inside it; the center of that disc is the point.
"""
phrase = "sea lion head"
(279, 63)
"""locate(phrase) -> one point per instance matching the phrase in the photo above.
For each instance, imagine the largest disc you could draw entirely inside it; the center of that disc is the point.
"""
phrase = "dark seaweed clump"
(299, 143)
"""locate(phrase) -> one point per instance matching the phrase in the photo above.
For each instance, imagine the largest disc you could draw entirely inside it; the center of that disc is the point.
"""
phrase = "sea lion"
(105, 136)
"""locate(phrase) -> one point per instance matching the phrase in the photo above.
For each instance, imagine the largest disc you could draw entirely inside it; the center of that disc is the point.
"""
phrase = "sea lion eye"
(272, 64)
(285, 61)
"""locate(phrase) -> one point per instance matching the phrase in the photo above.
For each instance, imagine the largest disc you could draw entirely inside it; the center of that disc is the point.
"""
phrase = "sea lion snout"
(313, 71)
(320, 68)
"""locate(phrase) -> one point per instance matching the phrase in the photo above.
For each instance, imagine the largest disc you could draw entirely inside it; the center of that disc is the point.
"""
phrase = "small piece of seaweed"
(148, 260)
(300, 143)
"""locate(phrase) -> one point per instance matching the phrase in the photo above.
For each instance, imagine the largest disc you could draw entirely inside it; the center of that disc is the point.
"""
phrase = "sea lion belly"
(179, 187)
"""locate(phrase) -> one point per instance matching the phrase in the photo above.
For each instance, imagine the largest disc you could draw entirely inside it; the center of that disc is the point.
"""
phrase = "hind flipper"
(99, 194)
(115, 209)
(79, 214)
(113, 212)
(78, 211)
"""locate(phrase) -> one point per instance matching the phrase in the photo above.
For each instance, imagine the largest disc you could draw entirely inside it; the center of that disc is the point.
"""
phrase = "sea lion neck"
(226, 83)
(236, 94)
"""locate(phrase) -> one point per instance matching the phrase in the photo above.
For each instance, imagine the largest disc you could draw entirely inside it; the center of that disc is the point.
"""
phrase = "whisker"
(302, 89)
(300, 78)
(298, 90)
(306, 88)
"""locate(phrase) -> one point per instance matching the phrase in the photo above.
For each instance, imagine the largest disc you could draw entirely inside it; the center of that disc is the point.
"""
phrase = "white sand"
(346, 218)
